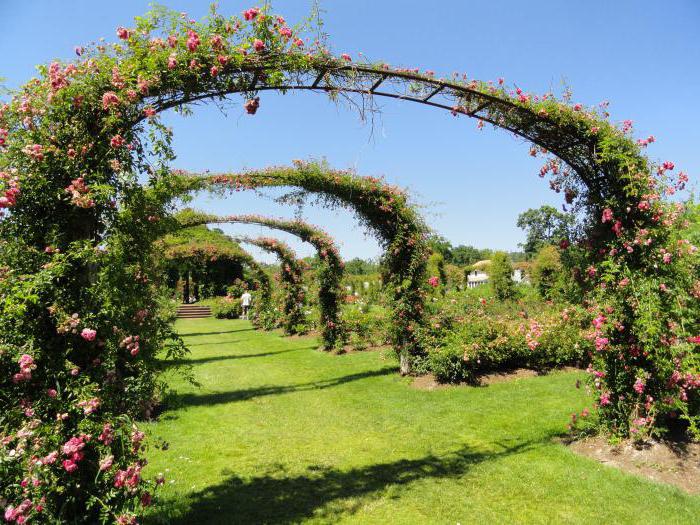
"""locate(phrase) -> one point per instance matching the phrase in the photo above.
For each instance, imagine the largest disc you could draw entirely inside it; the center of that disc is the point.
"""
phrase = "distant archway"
(330, 270)
(291, 277)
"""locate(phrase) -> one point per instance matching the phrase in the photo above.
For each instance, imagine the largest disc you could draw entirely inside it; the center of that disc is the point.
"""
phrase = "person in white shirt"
(246, 299)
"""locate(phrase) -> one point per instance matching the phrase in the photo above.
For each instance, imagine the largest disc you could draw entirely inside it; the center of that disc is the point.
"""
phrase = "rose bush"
(293, 318)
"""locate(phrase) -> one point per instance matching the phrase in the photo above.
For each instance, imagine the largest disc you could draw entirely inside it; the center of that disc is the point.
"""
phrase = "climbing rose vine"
(292, 280)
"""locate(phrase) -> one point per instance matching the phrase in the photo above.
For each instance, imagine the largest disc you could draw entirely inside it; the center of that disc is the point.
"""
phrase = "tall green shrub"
(501, 277)
(547, 272)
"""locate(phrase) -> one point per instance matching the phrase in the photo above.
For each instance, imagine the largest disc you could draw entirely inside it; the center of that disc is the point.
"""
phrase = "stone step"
(192, 311)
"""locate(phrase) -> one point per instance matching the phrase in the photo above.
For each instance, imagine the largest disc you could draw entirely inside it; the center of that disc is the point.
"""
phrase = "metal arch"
(566, 143)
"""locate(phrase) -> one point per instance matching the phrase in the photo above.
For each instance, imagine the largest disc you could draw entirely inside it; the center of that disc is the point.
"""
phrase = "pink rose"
(70, 465)
(123, 33)
(192, 40)
(106, 463)
(88, 334)
(109, 100)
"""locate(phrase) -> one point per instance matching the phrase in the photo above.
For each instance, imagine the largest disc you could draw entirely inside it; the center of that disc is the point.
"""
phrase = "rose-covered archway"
(291, 277)
(79, 328)
(330, 272)
(383, 208)
(194, 253)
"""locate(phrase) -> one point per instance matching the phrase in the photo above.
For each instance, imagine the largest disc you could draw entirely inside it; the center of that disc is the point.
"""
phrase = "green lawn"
(282, 433)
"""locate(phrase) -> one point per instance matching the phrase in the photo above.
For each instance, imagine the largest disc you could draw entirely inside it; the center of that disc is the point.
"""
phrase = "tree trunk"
(404, 363)
(186, 289)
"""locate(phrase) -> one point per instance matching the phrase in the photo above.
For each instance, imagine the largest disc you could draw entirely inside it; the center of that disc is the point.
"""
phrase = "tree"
(547, 271)
(501, 277)
(438, 244)
(359, 266)
(544, 225)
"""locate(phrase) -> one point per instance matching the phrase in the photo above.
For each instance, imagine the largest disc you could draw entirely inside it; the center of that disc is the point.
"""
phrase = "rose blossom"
(88, 334)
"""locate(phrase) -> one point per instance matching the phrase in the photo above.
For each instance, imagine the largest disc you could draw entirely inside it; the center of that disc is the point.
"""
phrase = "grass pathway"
(281, 433)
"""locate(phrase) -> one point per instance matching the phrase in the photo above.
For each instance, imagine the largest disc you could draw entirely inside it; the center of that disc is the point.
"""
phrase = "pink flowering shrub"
(466, 338)
(293, 295)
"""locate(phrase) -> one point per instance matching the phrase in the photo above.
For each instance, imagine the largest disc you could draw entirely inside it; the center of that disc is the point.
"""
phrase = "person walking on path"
(246, 299)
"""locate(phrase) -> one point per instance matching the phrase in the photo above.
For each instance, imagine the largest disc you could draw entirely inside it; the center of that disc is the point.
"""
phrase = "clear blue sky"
(642, 56)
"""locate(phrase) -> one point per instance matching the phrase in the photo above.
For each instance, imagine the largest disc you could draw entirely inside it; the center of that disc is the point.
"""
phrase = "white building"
(478, 276)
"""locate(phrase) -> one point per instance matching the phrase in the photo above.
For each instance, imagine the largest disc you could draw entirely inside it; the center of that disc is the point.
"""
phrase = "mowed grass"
(280, 432)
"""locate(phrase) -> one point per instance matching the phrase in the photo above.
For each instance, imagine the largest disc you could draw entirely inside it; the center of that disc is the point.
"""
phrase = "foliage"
(228, 307)
(693, 218)
(291, 278)
(367, 325)
(543, 226)
(470, 336)
(359, 266)
(501, 277)
(211, 259)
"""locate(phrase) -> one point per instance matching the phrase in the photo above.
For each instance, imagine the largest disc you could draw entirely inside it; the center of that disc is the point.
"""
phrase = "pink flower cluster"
(34, 151)
(88, 334)
(434, 282)
(123, 33)
(193, 41)
(73, 449)
(26, 365)
(117, 141)
(80, 197)
(57, 77)
(107, 435)
(19, 513)
(128, 478)
(131, 343)
(251, 14)
(110, 100)
(8, 196)
(89, 406)
(533, 334)
(251, 106)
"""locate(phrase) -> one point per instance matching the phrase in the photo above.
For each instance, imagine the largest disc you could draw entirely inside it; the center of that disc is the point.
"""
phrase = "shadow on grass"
(194, 334)
(322, 493)
(202, 360)
(175, 401)
(216, 343)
